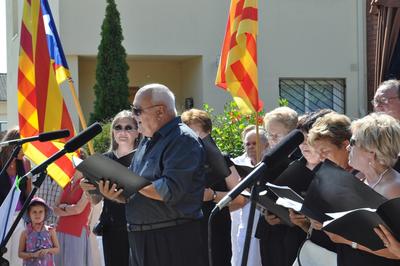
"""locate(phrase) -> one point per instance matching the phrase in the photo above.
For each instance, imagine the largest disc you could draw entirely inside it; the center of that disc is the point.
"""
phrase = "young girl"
(38, 242)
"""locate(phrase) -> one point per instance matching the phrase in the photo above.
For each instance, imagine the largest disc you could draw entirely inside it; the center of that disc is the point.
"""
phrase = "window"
(307, 95)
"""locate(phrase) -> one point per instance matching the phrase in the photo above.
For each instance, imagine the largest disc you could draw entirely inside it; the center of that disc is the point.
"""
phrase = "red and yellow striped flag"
(237, 71)
(41, 106)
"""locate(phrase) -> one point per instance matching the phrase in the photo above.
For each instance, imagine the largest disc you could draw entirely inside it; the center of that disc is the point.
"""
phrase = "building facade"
(311, 52)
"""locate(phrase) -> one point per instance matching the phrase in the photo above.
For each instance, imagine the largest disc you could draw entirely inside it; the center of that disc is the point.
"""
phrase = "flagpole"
(79, 110)
(258, 147)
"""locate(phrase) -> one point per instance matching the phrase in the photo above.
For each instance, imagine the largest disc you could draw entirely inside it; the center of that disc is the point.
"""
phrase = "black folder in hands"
(267, 200)
(98, 167)
(358, 225)
(286, 191)
(216, 167)
(289, 199)
(335, 190)
(297, 176)
(243, 169)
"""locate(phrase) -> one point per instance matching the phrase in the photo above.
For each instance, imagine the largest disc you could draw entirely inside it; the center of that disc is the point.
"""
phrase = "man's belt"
(154, 226)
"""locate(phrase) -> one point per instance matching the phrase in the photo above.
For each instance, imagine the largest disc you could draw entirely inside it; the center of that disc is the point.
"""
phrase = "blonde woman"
(112, 225)
(374, 147)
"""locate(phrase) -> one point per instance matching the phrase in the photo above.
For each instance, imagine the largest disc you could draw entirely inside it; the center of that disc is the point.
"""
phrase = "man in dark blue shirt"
(163, 218)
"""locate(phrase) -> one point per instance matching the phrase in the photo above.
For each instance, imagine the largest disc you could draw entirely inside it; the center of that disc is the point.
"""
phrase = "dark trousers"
(179, 245)
(115, 247)
(279, 247)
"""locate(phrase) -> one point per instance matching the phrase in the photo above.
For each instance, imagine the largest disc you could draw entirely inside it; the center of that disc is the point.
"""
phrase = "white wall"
(299, 39)
(309, 39)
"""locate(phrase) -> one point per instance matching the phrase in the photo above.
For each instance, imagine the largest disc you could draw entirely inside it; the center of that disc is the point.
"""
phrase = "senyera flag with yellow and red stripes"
(41, 107)
(237, 70)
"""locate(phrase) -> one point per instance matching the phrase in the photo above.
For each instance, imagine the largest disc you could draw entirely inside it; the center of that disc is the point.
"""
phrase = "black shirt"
(113, 214)
(173, 160)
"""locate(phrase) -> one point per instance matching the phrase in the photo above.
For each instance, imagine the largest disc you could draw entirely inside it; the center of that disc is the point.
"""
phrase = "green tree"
(111, 88)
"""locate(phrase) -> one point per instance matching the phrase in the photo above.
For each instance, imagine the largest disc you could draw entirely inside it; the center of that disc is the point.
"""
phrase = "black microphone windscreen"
(83, 137)
(52, 135)
(284, 148)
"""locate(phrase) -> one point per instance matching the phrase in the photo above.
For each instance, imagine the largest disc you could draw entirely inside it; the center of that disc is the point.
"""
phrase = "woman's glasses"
(128, 128)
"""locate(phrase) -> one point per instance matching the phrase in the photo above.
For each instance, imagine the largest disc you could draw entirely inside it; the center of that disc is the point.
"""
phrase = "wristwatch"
(354, 245)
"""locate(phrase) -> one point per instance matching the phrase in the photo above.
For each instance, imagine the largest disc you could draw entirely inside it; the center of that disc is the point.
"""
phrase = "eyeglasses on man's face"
(137, 110)
(382, 100)
(271, 136)
(250, 143)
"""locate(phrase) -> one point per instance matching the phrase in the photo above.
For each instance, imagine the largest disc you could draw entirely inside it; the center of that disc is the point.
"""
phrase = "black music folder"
(267, 200)
(242, 169)
(358, 225)
(349, 207)
(297, 176)
(99, 167)
(335, 190)
(216, 167)
(287, 198)
(287, 191)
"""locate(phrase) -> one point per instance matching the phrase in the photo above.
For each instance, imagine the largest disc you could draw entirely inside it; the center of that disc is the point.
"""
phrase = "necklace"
(379, 179)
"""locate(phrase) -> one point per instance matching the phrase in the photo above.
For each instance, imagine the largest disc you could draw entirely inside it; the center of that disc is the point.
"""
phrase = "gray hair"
(391, 84)
(262, 134)
(284, 115)
(160, 94)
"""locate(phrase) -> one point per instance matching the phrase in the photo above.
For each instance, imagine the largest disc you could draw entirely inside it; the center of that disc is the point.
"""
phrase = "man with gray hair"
(386, 99)
(163, 218)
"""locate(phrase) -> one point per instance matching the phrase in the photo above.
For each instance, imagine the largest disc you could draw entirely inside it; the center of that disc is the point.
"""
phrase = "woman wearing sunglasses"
(373, 150)
(112, 225)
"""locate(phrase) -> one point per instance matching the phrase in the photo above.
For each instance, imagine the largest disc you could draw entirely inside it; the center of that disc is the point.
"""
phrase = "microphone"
(72, 145)
(281, 151)
(83, 137)
(45, 136)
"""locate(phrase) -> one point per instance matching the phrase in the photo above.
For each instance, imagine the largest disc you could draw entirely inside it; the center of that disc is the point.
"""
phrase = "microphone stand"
(250, 221)
(37, 184)
(14, 154)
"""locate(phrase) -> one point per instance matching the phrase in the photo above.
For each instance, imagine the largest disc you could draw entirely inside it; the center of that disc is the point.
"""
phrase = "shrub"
(228, 126)
(101, 142)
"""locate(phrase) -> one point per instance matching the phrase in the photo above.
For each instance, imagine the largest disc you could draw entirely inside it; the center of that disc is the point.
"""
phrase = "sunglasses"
(126, 128)
(139, 110)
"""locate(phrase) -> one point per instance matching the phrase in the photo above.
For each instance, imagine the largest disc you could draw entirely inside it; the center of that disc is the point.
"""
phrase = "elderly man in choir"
(164, 217)
(386, 99)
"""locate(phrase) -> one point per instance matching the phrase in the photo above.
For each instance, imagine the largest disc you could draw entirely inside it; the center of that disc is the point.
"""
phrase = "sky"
(3, 53)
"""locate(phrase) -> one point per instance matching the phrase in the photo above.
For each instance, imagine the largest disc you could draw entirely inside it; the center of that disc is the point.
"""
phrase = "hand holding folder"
(355, 208)
(98, 167)
(358, 225)
(285, 191)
